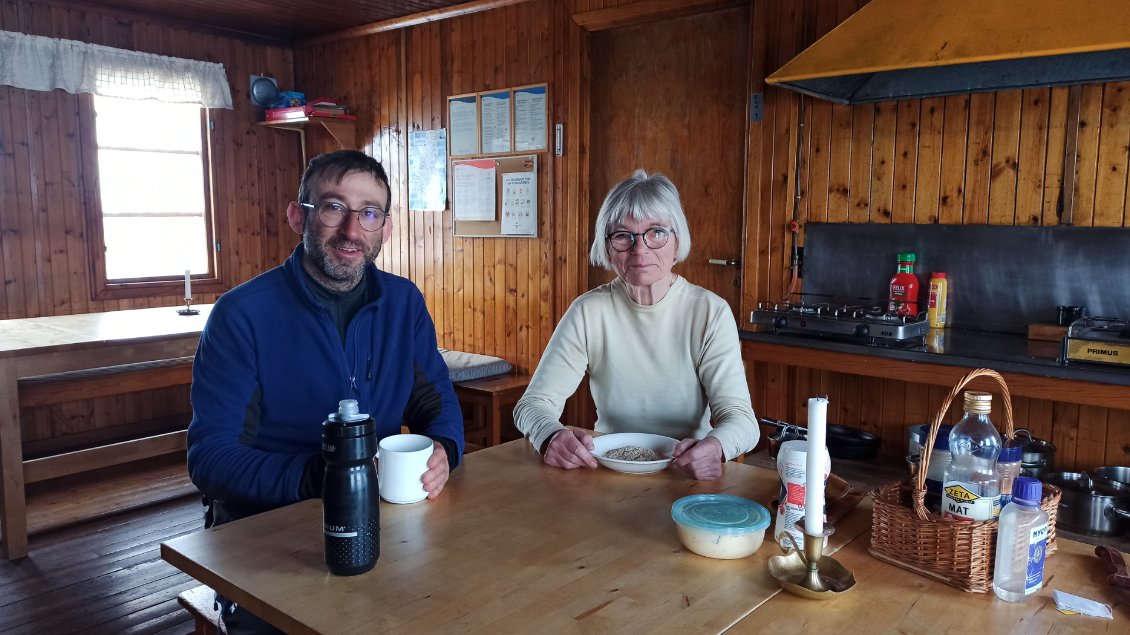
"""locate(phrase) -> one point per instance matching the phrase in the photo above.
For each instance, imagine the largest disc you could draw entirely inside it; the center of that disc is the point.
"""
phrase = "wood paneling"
(994, 158)
(989, 158)
(485, 295)
(46, 184)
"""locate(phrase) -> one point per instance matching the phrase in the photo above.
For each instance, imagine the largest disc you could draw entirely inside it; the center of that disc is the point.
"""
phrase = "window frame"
(172, 285)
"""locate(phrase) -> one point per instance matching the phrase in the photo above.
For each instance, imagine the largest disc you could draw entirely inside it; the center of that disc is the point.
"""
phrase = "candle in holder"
(187, 285)
(814, 466)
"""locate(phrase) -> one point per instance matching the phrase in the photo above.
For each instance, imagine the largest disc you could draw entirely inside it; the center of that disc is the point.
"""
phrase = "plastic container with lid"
(1022, 538)
(937, 308)
(936, 470)
(903, 288)
(720, 525)
(1009, 464)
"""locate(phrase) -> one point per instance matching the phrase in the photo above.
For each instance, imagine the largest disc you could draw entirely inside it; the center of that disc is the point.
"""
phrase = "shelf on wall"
(343, 131)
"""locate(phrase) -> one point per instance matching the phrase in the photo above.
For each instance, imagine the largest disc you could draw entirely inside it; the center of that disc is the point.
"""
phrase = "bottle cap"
(978, 403)
(938, 274)
(906, 256)
(1011, 452)
(1027, 489)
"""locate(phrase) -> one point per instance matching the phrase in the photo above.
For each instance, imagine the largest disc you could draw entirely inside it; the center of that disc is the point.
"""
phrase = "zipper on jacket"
(369, 369)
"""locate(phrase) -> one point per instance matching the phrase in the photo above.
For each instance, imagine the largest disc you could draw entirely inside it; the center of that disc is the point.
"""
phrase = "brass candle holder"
(188, 310)
(808, 572)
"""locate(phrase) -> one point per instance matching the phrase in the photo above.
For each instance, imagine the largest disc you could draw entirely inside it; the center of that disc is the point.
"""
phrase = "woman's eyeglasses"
(654, 238)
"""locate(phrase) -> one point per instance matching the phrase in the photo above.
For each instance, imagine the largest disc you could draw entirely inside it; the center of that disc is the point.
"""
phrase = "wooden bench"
(200, 603)
(42, 390)
(487, 398)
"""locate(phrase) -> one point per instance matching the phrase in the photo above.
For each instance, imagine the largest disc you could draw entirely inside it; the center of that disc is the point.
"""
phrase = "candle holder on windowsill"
(188, 310)
(808, 572)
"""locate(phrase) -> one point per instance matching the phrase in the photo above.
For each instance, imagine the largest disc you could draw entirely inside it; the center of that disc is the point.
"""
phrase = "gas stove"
(1103, 340)
(864, 323)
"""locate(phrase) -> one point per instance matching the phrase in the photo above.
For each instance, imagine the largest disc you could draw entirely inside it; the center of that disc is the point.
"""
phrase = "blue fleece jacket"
(271, 366)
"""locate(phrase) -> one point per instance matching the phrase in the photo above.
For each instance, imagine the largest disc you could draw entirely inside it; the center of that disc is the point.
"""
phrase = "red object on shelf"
(301, 112)
(281, 114)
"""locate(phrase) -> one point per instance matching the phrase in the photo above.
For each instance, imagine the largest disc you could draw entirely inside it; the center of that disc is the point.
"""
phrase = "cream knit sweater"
(668, 368)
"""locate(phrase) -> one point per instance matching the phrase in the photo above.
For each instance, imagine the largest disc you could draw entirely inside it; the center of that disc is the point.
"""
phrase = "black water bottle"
(351, 519)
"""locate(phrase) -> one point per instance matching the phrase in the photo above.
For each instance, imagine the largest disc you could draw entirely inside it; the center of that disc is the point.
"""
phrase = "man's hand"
(699, 458)
(570, 448)
(438, 471)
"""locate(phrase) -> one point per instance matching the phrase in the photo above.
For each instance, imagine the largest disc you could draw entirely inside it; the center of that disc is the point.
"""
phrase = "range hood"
(897, 49)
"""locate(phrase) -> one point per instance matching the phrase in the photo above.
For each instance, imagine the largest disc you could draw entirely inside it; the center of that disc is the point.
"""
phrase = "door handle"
(725, 263)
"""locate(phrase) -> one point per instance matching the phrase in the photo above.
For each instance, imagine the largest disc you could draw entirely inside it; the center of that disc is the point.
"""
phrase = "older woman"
(662, 354)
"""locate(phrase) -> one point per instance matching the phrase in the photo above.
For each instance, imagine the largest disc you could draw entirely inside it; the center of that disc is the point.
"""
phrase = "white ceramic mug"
(401, 463)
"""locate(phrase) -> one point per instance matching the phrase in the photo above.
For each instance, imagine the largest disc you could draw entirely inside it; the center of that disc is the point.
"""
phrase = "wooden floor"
(105, 574)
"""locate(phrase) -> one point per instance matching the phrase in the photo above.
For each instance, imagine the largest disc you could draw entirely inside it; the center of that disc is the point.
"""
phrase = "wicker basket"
(957, 552)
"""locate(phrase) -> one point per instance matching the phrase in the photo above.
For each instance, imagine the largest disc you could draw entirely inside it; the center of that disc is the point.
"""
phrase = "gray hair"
(640, 197)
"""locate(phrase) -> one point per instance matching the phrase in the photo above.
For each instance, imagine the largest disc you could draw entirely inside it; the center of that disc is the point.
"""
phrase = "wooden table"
(888, 599)
(510, 546)
(488, 396)
(44, 345)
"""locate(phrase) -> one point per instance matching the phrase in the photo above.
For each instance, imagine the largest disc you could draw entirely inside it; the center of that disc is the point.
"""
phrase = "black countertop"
(1002, 352)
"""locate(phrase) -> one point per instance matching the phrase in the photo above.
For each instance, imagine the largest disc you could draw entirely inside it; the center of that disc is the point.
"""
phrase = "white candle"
(187, 285)
(814, 466)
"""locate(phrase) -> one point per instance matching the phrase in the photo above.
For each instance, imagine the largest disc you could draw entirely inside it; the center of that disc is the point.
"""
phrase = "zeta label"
(958, 493)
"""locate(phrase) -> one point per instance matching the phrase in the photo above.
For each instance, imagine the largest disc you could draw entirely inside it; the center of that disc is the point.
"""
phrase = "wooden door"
(670, 97)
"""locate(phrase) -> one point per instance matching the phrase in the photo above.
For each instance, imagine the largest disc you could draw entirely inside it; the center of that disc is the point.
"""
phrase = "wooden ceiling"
(289, 20)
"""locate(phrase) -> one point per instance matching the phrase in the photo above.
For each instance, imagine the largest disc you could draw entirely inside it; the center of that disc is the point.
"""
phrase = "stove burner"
(1103, 340)
(865, 323)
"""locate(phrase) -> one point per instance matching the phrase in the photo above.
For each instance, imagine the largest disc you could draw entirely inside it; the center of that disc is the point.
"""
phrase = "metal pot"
(1090, 507)
(1038, 456)
(1114, 473)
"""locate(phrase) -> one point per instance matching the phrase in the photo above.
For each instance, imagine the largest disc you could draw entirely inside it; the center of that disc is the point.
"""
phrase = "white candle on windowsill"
(187, 285)
(814, 466)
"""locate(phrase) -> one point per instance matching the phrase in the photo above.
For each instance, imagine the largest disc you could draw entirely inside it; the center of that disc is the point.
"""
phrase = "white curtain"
(41, 63)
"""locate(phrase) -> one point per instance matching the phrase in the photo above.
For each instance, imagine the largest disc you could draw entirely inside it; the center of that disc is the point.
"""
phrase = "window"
(155, 220)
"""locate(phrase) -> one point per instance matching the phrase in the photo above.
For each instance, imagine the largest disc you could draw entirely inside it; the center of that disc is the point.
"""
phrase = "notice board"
(495, 197)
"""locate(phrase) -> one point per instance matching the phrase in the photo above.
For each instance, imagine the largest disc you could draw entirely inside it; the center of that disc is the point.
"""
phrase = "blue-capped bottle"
(1022, 542)
(351, 521)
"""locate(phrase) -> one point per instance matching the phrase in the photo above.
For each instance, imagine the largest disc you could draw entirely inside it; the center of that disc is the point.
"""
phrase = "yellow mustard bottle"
(937, 312)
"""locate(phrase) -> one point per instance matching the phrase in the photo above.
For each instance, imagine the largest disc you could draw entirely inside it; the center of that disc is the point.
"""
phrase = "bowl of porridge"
(633, 452)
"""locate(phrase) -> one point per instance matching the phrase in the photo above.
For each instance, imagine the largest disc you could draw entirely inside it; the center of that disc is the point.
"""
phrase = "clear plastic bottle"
(971, 488)
(1021, 543)
(1008, 465)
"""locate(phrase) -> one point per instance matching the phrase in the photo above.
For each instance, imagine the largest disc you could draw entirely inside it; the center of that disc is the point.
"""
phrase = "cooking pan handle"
(773, 422)
(1111, 510)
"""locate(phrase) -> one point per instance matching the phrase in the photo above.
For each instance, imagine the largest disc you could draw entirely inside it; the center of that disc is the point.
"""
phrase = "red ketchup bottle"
(903, 292)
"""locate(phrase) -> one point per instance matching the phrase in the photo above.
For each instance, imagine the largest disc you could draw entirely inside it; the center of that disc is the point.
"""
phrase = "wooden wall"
(44, 181)
(994, 158)
(487, 295)
(991, 158)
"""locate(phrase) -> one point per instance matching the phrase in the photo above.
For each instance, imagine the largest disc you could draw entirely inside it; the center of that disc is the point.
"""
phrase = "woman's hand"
(699, 458)
(570, 448)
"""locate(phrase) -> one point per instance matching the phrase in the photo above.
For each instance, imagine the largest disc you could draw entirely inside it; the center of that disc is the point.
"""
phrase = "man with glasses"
(279, 352)
(662, 354)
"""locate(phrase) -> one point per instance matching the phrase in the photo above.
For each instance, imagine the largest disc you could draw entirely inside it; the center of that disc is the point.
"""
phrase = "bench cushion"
(466, 366)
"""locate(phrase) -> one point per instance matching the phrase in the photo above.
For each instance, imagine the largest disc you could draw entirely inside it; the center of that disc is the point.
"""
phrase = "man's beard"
(330, 274)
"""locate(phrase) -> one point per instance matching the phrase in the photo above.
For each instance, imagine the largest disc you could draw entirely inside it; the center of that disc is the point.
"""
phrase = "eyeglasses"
(332, 214)
(654, 238)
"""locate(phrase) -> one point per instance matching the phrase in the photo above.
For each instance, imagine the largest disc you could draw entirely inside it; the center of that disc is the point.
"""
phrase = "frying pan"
(844, 442)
